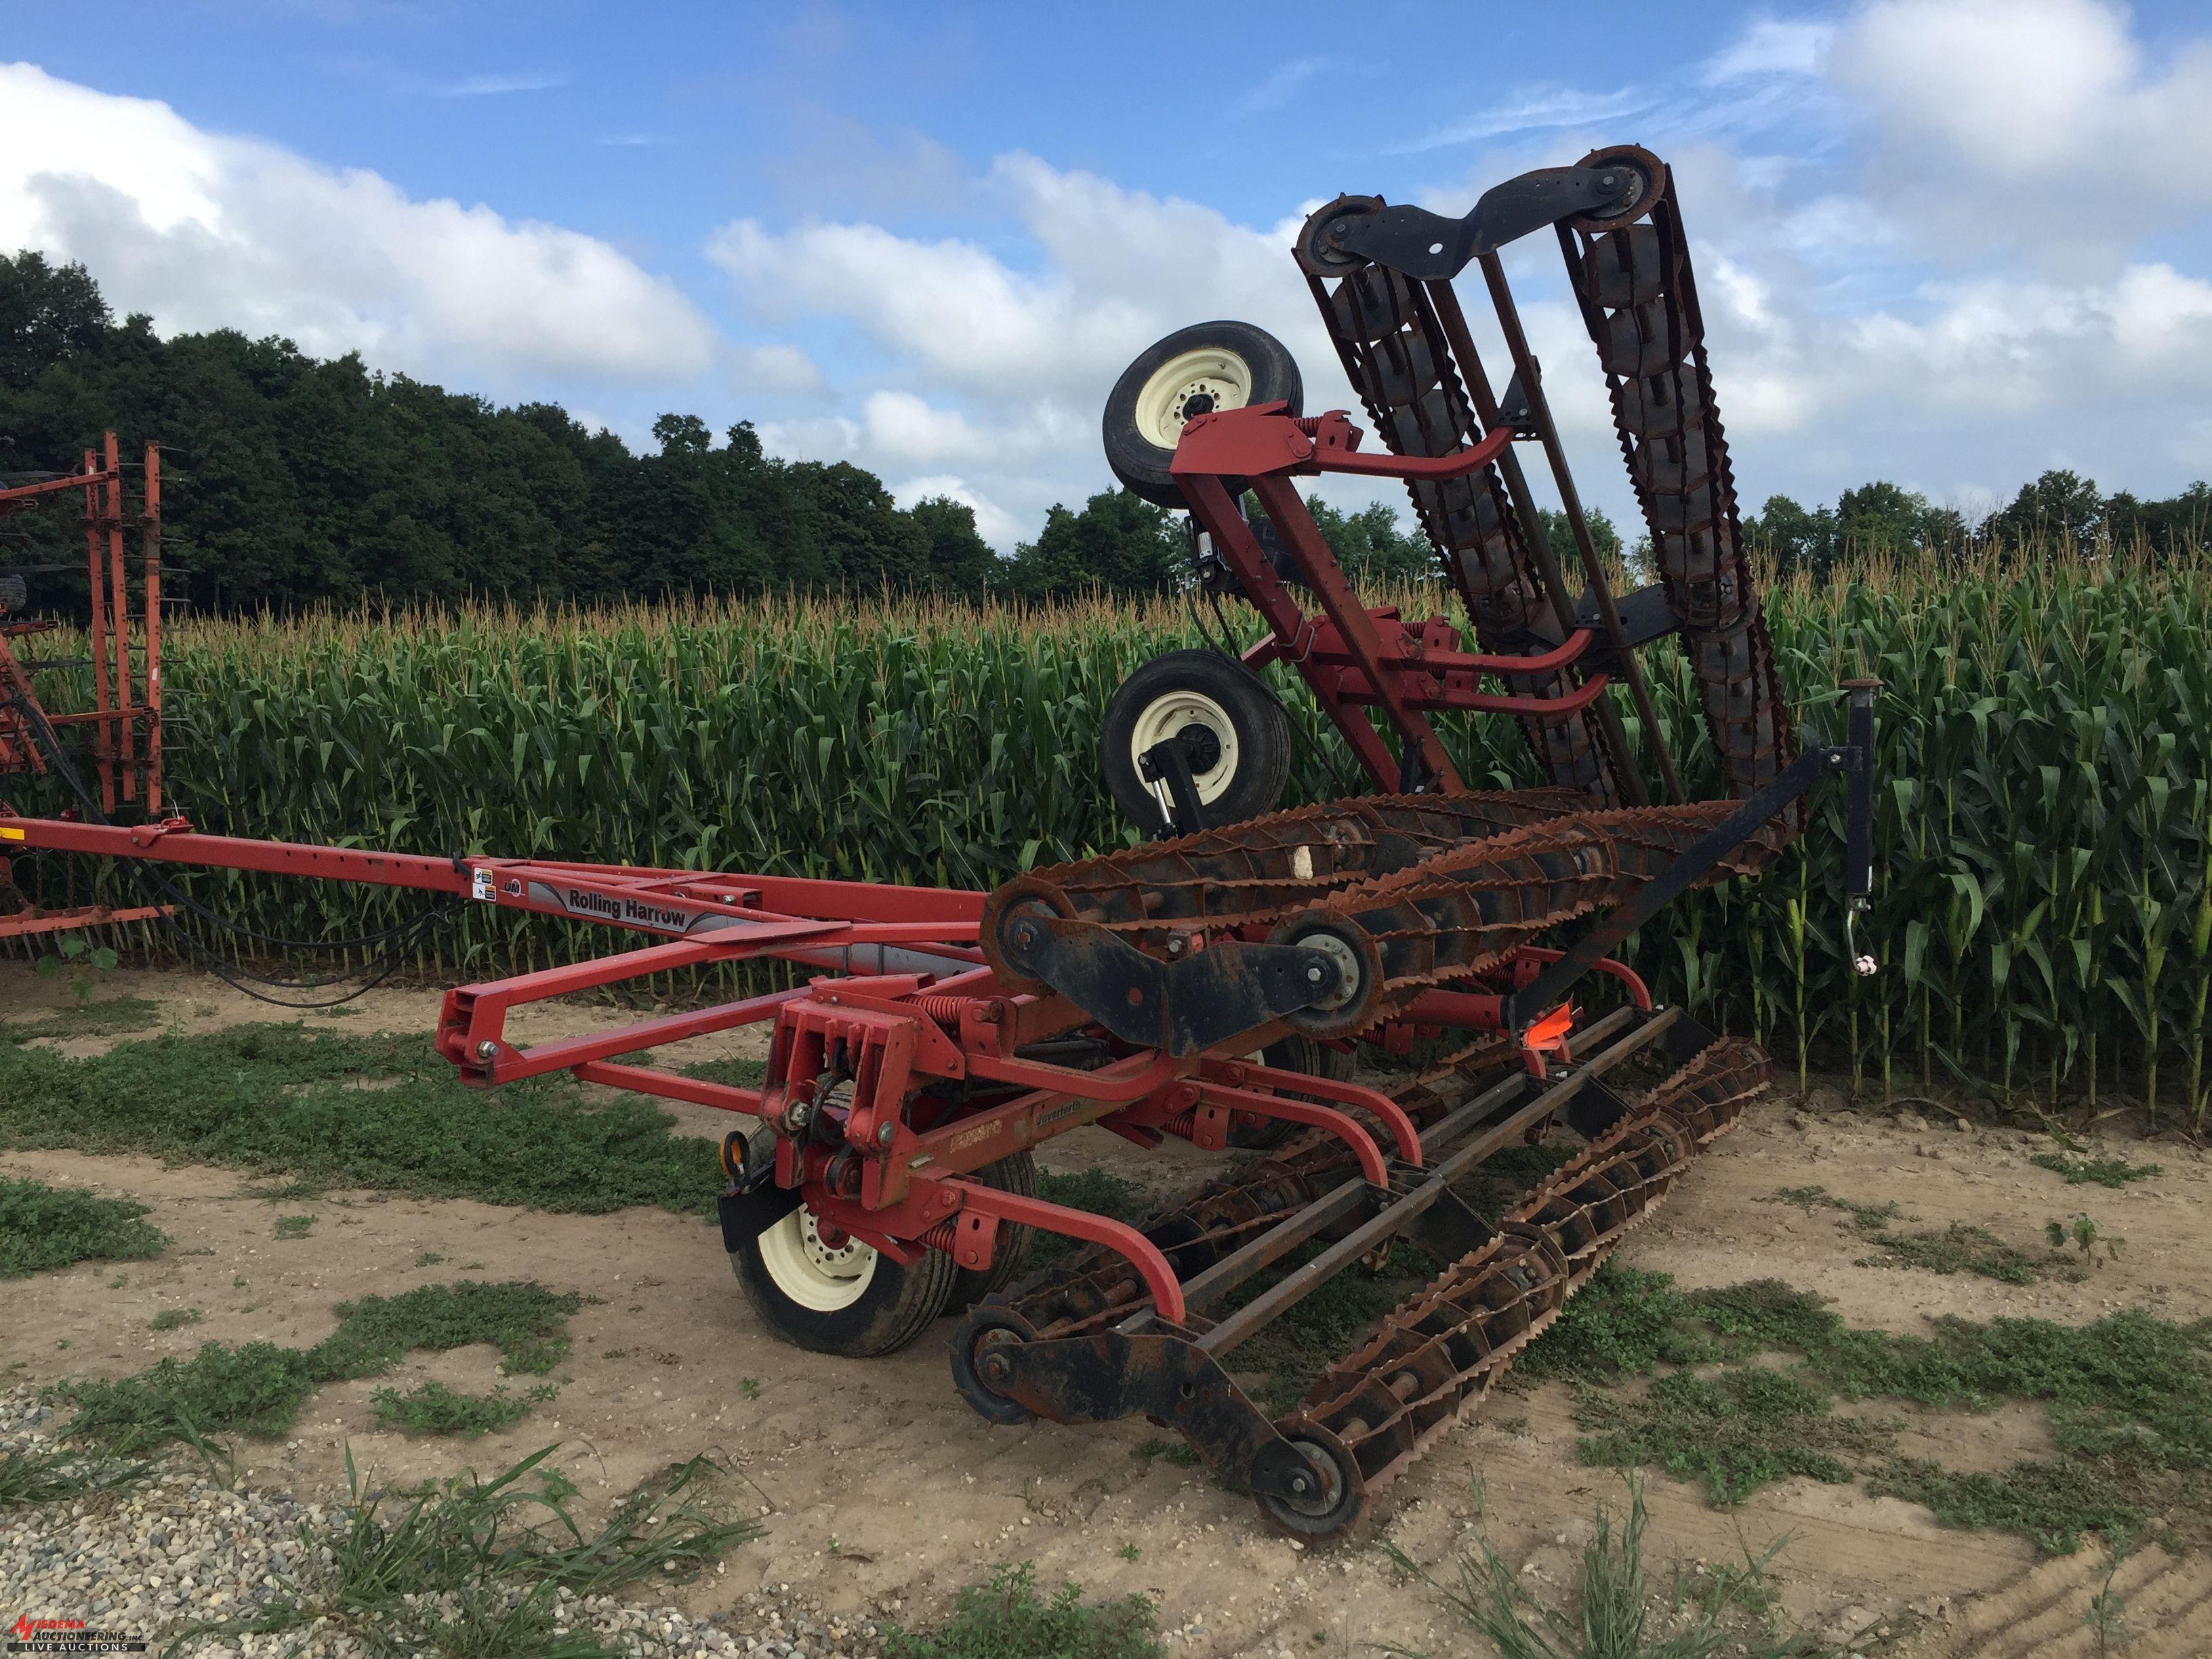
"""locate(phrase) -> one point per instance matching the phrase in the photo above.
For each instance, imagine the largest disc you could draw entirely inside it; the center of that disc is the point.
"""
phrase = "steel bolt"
(1313, 975)
(1300, 1486)
(886, 1134)
(486, 1049)
(1177, 945)
(997, 1367)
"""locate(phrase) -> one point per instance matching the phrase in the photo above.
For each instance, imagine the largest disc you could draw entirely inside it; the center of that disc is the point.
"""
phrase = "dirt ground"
(880, 1489)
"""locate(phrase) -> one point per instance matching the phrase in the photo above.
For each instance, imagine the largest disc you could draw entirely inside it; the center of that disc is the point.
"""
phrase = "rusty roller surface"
(1463, 911)
(1640, 301)
(1387, 333)
(1430, 1360)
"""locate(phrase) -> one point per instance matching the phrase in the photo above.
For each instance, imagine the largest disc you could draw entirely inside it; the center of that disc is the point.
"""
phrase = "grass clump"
(288, 1100)
(258, 1389)
(1175, 1451)
(478, 1567)
(108, 1017)
(1613, 1610)
(2128, 1398)
(1732, 1432)
(433, 1408)
(170, 1319)
(2054, 1504)
(1963, 1248)
(2103, 1171)
(294, 1226)
(1007, 1619)
(43, 1227)
(53, 1474)
(1094, 1190)
(1959, 1249)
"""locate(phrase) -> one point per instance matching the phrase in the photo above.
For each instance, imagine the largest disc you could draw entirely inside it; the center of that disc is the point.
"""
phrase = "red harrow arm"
(1211, 985)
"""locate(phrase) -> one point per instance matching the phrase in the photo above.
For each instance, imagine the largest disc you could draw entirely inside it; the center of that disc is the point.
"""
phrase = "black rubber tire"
(1294, 1053)
(1014, 1173)
(1261, 726)
(1140, 464)
(896, 1308)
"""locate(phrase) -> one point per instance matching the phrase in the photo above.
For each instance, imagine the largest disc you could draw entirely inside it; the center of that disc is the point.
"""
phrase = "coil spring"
(941, 1234)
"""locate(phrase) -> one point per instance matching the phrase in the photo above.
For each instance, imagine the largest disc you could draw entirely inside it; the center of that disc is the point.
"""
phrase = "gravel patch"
(149, 1559)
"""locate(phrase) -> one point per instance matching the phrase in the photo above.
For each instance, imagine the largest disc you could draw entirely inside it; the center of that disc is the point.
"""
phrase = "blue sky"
(1948, 242)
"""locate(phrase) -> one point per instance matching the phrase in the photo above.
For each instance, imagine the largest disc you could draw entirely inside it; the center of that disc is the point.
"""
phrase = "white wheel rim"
(808, 1271)
(1211, 370)
(1166, 717)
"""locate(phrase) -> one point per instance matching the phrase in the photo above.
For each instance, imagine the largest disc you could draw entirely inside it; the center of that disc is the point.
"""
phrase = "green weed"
(2104, 1171)
(285, 1099)
(474, 1569)
(52, 1475)
(2128, 1398)
(433, 1408)
(738, 1073)
(1962, 1248)
(294, 1226)
(257, 1389)
(2083, 1232)
(109, 1017)
(43, 1227)
(1175, 1452)
(1007, 1620)
(1611, 1611)
(170, 1319)
(1959, 1247)
(1732, 1432)
(2054, 1504)
(1094, 1190)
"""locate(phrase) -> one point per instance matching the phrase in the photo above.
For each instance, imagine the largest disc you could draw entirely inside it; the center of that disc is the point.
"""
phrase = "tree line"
(292, 481)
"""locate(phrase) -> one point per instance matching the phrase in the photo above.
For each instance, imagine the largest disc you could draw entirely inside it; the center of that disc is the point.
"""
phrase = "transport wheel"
(1237, 737)
(1195, 371)
(1014, 1173)
(1337, 1493)
(842, 1297)
(1295, 1052)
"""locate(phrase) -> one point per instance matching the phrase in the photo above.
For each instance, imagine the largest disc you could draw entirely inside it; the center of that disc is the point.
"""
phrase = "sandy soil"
(880, 1489)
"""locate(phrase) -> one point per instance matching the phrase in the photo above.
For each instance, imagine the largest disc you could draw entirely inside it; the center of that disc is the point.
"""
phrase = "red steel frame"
(1353, 657)
(124, 719)
(916, 1007)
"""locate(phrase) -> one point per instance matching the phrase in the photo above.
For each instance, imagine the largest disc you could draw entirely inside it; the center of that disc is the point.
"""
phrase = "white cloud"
(2039, 122)
(1279, 88)
(992, 523)
(1771, 47)
(497, 86)
(996, 374)
(777, 370)
(204, 231)
(1536, 109)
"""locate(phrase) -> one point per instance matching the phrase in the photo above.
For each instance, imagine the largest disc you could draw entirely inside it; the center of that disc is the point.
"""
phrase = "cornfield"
(2042, 913)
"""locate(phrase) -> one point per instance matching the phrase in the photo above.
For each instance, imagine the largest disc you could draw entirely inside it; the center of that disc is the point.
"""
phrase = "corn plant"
(2044, 741)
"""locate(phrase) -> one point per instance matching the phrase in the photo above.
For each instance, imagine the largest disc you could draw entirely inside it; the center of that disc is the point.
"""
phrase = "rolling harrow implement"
(1215, 983)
